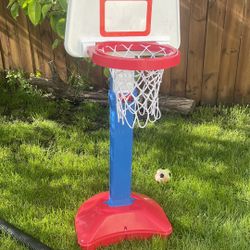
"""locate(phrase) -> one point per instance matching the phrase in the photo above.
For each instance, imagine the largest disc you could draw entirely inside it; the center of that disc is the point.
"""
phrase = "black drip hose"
(27, 240)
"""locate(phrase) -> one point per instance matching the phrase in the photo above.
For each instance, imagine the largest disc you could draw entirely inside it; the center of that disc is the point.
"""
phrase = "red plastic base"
(98, 224)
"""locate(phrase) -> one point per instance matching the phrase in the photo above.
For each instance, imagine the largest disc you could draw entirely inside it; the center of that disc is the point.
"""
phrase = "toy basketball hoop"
(136, 40)
(136, 69)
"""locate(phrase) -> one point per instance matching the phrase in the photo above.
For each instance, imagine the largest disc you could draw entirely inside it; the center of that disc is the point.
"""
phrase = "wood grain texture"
(24, 43)
(36, 48)
(2, 23)
(196, 49)
(4, 36)
(166, 84)
(60, 60)
(230, 50)
(215, 46)
(242, 88)
(71, 65)
(179, 74)
(1, 58)
(215, 27)
(47, 51)
(15, 57)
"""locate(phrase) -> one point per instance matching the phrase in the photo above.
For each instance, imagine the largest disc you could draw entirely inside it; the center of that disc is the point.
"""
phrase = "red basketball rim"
(165, 55)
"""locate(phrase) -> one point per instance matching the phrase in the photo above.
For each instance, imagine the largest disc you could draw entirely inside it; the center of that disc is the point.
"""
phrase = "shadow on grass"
(203, 167)
(19, 101)
(210, 165)
(215, 157)
(56, 161)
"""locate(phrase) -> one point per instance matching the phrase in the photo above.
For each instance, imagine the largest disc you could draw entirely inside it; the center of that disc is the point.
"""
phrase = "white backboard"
(92, 21)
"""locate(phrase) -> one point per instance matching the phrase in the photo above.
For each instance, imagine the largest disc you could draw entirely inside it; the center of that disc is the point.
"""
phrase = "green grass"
(53, 156)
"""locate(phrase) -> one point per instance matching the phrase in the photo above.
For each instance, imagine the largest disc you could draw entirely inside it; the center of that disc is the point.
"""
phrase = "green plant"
(16, 80)
(79, 81)
(38, 10)
(83, 80)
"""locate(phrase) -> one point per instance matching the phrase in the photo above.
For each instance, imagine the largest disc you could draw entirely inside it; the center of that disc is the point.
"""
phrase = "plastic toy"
(136, 40)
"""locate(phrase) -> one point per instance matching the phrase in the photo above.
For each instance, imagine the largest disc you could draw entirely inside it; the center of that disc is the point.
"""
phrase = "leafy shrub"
(38, 10)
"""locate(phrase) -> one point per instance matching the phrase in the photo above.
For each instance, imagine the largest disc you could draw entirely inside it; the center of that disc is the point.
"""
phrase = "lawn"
(54, 155)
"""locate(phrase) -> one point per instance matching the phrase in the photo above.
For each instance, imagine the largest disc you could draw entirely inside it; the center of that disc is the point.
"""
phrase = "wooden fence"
(215, 48)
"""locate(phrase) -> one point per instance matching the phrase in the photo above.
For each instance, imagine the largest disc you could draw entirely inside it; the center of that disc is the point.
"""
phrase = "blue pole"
(121, 144)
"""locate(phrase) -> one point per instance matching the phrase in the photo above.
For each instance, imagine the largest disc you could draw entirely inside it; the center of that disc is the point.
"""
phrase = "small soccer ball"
(163, 175)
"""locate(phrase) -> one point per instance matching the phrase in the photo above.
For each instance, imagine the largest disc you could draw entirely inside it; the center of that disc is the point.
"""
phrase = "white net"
(137, 91)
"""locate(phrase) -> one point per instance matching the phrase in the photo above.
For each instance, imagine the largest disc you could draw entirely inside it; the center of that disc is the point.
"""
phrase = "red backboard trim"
(105, 33)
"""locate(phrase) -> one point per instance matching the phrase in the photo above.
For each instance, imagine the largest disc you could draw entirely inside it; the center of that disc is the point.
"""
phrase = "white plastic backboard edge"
(83, 23)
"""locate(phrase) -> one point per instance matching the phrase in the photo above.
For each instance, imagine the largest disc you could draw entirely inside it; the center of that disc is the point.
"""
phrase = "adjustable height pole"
(121, 144)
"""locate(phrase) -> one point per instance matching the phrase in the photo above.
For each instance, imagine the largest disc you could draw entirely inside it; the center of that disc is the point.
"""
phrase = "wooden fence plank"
(24, 41)
(230, 50)
(242, 88)
(60, 60)
(215, 63)
(4, 36)
(215, 26)
(47, 40)
(1, 57)
(99, 80)
(2, 23)
(91, 73)
(179, 74)
(36, 47)
(196, 49)
(71, 65)
(14, 45)
(166, 83)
